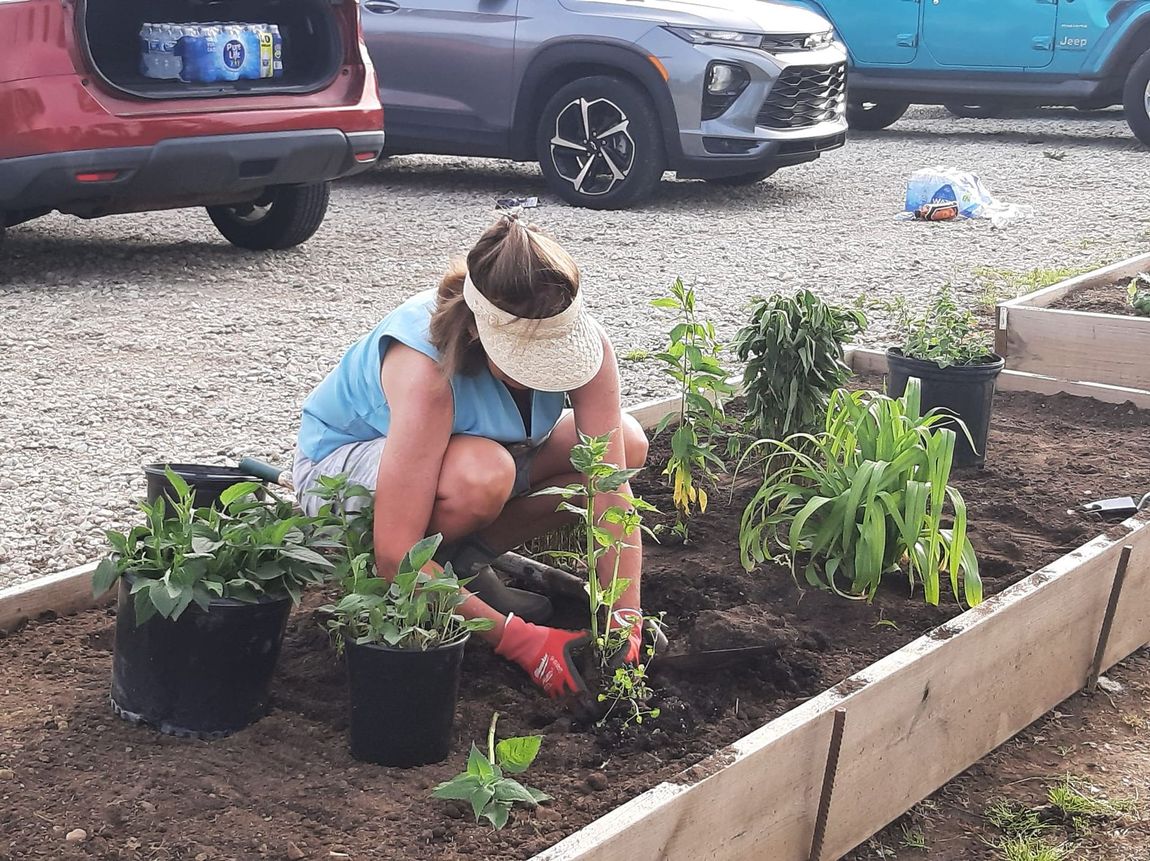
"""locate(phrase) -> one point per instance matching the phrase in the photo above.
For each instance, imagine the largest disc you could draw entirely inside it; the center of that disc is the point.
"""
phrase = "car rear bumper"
(179, 172)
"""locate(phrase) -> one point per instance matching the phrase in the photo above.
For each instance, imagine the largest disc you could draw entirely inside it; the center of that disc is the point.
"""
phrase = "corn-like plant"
(864, 498)
(793, 347)
(691, 359)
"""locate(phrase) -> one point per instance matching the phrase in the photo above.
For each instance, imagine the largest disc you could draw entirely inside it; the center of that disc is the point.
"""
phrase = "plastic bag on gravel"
(948, 194)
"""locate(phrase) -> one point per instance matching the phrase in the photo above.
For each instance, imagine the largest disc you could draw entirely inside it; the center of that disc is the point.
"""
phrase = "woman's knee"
(476, 479)
(635, 442)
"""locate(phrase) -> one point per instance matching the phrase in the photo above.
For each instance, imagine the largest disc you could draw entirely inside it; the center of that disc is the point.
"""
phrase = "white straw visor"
(553, 354)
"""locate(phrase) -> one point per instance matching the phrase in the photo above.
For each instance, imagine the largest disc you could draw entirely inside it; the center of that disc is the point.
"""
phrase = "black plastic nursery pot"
(207, 482)
(965, 390)
(204, 675)
(403, 703)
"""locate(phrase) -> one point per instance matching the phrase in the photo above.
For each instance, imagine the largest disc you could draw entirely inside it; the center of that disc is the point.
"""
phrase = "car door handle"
(381, 7)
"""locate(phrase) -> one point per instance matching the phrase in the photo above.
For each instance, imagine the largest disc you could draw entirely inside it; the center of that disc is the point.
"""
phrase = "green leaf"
(459, 788)
(513, 792)
(479, 765)
(515, 755)
(497, 813)
(667, 302)
(105, 577)
(480, 798)
(239, 491)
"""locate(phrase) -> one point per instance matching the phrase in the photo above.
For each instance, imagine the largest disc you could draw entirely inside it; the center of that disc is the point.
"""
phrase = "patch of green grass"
(913, 838)
(1015, 819)
(1080, 810)
(1030, 849)
(636, 355)
(1001, 284)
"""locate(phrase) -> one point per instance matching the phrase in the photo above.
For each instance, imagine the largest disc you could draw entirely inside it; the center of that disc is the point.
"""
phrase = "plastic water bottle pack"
(205, 53)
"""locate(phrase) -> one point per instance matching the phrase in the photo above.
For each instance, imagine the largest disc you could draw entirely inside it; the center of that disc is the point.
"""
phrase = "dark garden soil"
(287, 788)
(1101, 299)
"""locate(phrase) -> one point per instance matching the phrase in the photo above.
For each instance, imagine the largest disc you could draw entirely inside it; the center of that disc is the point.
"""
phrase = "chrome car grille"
(805, 96)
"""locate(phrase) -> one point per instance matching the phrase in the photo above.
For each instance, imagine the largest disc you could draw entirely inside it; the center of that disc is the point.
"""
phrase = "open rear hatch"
(165, 49)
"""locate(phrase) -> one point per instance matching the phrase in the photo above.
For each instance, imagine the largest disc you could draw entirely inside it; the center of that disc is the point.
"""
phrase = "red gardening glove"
(545, 653)
(632, 652)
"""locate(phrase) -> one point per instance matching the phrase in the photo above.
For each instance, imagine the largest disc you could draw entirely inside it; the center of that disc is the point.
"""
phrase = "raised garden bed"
(919, 709)
(1080, 330)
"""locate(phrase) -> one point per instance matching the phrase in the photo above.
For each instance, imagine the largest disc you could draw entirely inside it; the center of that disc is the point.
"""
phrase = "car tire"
(868, 116)
(973, 112)
(1136, 98)
(3, 229)
(588, 167)
(283, 217)
(752, 178)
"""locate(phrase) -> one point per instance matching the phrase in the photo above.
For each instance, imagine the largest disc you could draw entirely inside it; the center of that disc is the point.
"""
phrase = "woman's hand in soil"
(545, 654)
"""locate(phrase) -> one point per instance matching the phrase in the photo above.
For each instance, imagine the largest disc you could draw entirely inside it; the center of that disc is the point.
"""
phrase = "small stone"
(76, 835)
(1110, 686)
(293, 853)
(203, 856)
(7, 774)
(597, 781)
(147, 807)
(454, 811)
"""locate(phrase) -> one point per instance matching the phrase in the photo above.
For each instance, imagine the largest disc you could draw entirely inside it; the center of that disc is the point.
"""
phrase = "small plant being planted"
(691, 359)
(1139, 295)
(864, 499)
(949, 352)
(404, 641)
(484, 785)
(204, 597)
(621, 687)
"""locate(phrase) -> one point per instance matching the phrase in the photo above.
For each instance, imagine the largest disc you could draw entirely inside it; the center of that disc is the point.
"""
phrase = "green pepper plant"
(247, 549)
(483, 784)
(691, 359)
(622, 686)
(863, 498)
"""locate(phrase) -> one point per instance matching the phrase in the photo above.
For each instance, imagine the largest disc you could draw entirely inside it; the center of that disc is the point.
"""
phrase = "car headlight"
(700, 36)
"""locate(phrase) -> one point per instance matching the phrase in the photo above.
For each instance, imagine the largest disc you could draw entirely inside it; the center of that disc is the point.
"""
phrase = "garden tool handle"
(265, 471)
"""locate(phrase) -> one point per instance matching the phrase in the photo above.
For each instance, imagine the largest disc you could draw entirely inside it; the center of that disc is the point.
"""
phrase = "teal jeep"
(978, 57)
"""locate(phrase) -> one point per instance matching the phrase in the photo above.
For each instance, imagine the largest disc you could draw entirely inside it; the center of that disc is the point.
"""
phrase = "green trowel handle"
(265, 471)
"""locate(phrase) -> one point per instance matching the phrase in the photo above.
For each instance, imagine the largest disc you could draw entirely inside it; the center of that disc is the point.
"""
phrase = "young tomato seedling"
(483, 785)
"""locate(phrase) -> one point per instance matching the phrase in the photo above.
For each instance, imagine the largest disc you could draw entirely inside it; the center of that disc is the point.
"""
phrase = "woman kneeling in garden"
(452, 408)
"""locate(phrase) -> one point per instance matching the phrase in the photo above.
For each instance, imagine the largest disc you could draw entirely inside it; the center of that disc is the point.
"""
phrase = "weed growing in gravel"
(1001, 284)
(913, 838)
(691, 359)
(483, 785)
(1030, 849)
(606, 530)
(636, 355)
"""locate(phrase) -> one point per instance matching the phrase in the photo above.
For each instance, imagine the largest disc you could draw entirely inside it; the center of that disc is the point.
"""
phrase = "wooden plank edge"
(868, 361)
(1129, 267)
(583, 843)
(64, 592)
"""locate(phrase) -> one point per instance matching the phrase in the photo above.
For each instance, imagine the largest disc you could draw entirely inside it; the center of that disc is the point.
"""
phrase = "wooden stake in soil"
(1108, 619)
(840, 719)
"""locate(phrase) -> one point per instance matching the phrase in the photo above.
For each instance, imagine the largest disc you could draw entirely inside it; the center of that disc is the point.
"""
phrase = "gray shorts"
(360, 462)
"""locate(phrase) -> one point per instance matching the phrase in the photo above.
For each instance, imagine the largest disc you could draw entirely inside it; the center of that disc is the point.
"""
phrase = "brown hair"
(517, 267)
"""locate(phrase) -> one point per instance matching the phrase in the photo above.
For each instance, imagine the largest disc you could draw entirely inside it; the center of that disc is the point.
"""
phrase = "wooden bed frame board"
(1077, 345)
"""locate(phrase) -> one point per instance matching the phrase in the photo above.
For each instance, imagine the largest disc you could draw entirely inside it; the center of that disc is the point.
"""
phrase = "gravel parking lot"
(146, 337)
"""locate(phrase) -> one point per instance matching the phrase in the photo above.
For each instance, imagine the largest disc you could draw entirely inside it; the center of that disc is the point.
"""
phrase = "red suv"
(83, 131)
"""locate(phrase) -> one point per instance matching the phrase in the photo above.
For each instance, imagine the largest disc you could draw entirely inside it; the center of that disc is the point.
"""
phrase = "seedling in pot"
(249, 549)
(606, 530)
(484, 786)
(691, 359)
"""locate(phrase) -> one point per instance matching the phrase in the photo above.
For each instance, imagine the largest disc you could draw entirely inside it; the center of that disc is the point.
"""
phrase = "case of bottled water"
(205, 53)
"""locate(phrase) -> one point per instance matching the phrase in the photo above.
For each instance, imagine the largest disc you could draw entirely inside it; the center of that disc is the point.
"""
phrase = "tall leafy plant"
(606, 530)
(249, 548)
(944, 333)
(863, 498)
(793, 349)
(691, 360)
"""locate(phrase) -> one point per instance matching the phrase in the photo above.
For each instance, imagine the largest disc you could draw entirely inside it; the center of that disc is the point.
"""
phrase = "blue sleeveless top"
(350, 406)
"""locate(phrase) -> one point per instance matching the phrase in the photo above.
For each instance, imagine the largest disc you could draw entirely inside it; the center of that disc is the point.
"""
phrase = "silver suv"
(608, 94)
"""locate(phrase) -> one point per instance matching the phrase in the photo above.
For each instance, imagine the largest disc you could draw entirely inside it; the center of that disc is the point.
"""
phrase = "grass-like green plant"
(1139, 295)
(1080, 810)
(418, 609)
(691, 359)
(944, 333)
(1031, 849)
(606, 530)
(483, 784)
(247, 549)
(1000, 284)
(863, 498)
(793, 349)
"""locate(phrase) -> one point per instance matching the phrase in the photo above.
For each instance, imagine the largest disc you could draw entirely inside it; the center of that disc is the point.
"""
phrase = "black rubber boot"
(472, 558)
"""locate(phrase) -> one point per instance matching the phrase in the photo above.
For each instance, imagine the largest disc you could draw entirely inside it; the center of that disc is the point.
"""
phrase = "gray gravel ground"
(145, 337)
